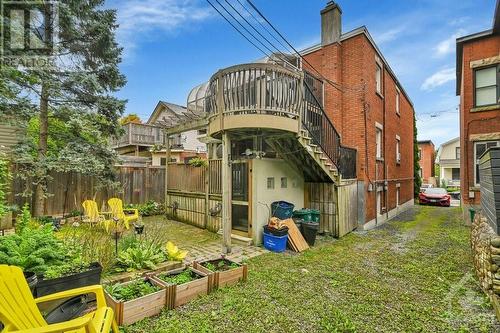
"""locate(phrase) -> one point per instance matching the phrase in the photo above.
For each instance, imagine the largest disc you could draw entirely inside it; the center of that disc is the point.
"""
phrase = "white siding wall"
(262, 196)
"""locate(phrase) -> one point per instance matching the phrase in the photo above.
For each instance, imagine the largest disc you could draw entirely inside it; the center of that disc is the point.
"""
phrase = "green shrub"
(140, 256)
(149, 208)
(132, 290)
(34, 249)
(198, 162)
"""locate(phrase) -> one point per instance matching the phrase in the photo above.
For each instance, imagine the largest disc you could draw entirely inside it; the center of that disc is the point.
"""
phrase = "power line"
(332, 83)
(262, 25)
(236, 28)
(245, 28)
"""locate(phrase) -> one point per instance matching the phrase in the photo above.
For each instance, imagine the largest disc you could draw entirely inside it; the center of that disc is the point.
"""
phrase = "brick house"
(426, 153)
(478, 84)
(372, 112)
(331, 130)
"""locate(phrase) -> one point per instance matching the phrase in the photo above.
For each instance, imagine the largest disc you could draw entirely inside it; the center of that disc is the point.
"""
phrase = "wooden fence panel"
(215, 176)
(186, 178)
(348, 207)
(69, 190)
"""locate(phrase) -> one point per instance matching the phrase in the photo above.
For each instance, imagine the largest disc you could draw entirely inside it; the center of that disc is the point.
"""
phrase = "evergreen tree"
(76, 112)
(416, 166)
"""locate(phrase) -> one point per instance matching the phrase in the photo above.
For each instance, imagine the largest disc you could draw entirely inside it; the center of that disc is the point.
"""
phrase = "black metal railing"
(321, 129)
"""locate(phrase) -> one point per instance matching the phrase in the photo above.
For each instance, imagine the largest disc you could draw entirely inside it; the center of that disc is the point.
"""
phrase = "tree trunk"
(39, 208)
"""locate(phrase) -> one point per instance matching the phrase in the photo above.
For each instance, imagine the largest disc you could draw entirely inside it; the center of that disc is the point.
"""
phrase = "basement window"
(284, 182)
(270, 183)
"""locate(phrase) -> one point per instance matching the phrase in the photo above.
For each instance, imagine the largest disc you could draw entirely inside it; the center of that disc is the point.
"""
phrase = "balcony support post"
(226, 192)
(167, 156)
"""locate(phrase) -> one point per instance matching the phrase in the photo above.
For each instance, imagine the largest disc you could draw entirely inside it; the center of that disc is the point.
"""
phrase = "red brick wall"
(427, 157)
(354, 111)
(474, 122)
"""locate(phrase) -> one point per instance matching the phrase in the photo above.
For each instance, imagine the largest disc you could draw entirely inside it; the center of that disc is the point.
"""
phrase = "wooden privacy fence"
(69, 190)
(338, 206)
(194, 194)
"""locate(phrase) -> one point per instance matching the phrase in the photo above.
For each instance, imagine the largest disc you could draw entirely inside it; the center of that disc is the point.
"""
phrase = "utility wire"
(263, 26)
(332, 83)
(245, 28)
(236, 28)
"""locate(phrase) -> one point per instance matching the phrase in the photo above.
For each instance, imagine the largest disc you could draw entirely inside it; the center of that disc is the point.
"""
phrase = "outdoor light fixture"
(139, 228)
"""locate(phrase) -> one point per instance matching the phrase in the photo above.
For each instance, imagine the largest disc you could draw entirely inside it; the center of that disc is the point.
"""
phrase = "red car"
(435, 196)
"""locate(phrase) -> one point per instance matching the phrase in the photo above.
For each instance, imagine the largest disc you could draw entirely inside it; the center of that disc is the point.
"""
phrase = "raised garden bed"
(135, 300)
(222, 272)
(182, 285)
(88, 277)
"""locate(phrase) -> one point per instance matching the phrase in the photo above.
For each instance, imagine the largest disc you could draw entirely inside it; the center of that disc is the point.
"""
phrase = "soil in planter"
(132, 290)
(179, 278)
(220, 265)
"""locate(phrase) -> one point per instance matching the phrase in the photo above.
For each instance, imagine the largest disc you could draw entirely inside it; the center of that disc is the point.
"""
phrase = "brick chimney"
(331, 23)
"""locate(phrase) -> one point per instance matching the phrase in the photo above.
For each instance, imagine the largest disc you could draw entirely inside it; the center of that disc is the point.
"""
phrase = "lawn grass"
(411, 275)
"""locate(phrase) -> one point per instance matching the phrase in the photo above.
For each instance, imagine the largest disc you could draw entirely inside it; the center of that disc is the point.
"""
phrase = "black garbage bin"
(310, 230)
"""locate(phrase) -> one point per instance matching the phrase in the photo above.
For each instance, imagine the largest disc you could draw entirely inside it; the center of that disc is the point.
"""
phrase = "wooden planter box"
(178, 295)
(129, 312)
(220, 279)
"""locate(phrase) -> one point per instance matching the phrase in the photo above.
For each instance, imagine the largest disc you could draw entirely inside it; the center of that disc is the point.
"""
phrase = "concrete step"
(239, 240)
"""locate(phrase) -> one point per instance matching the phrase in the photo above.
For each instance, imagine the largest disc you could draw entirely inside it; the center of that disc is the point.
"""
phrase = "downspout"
(385, 143)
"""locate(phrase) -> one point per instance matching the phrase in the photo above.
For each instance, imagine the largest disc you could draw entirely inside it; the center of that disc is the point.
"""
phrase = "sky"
(170, 46)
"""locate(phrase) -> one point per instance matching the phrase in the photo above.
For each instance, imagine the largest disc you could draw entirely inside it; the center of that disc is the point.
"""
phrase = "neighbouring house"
(448, 159)
(332, 130)
(478, 85)
(145, 143)
(426, 155)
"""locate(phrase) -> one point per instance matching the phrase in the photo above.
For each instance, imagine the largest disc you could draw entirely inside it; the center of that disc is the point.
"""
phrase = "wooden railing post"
(167, 156)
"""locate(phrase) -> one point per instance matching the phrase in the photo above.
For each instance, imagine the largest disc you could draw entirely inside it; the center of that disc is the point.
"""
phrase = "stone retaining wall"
(486, 255)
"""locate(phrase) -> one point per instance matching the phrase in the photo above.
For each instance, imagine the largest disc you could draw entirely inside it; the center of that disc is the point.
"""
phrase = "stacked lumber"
(295, 239)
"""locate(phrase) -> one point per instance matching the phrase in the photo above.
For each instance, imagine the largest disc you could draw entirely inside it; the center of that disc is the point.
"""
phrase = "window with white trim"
(397, 101)
(398, 151)
(486, 86)
(479, 148)
(378, 78)
(378, 140)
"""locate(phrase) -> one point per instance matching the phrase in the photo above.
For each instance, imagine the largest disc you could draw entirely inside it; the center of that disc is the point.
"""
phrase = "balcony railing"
(255, 89)
(140, 135)
(268, 89)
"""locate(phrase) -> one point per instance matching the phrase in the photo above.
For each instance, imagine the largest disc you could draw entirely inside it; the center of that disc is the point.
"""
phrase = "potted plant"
(182, 285)
(135, 300)
(222, 272)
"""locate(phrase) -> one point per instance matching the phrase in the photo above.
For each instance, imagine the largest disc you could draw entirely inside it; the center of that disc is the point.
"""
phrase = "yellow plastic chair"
(117, 211)
(92, 215)
(19, 311)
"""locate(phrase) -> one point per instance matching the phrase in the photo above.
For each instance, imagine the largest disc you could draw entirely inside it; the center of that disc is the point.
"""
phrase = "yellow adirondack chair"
(19, 311)
(117, 211)
(92, 215)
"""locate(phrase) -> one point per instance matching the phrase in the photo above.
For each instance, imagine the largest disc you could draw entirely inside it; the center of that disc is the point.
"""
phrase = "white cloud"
(447, 46)
(438, 79)
(149, 19)
(389, 35)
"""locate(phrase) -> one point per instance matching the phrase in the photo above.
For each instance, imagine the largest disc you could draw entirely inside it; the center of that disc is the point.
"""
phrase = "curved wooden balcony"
(258, 95)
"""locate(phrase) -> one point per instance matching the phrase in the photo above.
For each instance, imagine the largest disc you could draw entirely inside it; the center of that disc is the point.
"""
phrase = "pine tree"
(75, 112)
(416, 166)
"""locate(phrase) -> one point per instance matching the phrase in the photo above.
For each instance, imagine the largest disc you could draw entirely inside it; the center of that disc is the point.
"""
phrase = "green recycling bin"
(472, 213)
(304, 214)
(315, 214)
